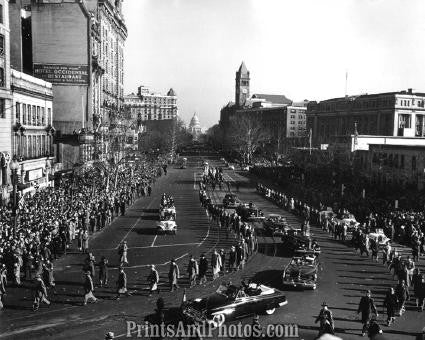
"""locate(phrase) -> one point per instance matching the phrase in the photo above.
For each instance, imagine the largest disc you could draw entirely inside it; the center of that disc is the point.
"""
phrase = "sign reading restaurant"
(63, 74)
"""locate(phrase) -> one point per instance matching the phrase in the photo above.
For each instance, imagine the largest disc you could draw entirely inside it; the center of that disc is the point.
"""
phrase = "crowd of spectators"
(48, 221)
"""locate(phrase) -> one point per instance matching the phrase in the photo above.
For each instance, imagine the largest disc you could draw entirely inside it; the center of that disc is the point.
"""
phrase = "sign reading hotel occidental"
(63, 74)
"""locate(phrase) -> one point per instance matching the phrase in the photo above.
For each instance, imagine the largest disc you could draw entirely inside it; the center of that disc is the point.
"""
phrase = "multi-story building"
(385, 114)
(6, 112)
(282, 119)
(147, 105)
(78, 47)
(32, 130)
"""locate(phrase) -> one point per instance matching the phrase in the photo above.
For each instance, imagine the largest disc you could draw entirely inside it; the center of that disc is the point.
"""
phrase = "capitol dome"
(194, 122)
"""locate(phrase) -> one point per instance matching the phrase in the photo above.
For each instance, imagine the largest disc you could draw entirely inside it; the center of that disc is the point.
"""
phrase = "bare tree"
(248, 134)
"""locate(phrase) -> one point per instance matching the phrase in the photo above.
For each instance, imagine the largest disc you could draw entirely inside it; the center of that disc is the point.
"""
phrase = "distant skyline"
(301, 48)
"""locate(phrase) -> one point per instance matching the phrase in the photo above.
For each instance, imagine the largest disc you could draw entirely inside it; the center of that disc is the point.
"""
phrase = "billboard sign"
(64, 74)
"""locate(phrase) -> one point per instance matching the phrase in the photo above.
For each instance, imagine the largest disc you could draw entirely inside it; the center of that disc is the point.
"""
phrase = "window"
(34, 115)
(43, 117)
(29, 114)
(49, 116)
(2, 108)
(38, 119)
(292, 122)
(24, 114)
(1, 14)
(404, 121)
(18, 112)
(2, 83)
(1, 45)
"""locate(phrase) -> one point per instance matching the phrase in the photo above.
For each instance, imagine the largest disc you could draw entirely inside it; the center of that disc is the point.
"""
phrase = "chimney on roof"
(410, 91)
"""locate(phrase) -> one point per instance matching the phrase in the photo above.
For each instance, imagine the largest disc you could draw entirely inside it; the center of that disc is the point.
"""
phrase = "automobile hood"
(209, 303)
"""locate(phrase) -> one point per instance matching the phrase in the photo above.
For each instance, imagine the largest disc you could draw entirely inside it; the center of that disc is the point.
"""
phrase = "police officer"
(326, 320)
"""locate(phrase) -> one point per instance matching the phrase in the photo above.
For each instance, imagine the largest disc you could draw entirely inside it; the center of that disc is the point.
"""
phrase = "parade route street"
(342, 281)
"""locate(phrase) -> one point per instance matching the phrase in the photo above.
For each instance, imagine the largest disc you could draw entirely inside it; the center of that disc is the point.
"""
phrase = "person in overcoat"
(366, 307)
(173, 275)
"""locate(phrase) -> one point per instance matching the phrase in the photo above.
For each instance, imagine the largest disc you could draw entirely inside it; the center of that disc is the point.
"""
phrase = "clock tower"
(242, 86)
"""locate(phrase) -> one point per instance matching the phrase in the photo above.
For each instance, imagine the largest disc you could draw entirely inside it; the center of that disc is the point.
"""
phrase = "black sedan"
(232, 302)
(231, 201)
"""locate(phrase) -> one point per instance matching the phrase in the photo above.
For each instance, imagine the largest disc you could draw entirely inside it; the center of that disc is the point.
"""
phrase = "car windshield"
(228, 291)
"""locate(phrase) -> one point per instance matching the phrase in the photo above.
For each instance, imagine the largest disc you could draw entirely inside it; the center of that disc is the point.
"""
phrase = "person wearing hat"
(366, 307)
(103, 271)
(173, 275)
(192, 270)
(203, 267)
(391, 303)
(153, 279)
(40, 293)
(88, 288)
(326, 320)
(122, 283)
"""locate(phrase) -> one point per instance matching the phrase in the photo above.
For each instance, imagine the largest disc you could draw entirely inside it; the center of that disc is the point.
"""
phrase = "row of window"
(32, 115)
(33, 146)
(412, 102)
(300, 116)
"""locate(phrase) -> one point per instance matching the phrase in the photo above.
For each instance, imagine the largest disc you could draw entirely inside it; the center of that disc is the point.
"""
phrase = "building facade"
(6, 111)
(385, 114)
(149, 106)
(33, 132)
(78, 47)
(283, 120)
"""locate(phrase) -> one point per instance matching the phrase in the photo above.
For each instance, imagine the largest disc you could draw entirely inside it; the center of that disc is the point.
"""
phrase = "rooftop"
(273, 98)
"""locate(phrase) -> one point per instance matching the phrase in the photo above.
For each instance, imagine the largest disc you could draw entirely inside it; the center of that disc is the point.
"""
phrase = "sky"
(300, 48)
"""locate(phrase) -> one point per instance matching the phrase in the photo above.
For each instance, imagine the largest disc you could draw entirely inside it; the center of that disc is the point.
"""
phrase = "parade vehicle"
(326, 214)
(231, 201)
(167, 213)
(166, 227)
(293, 241)
(249, 212)
(231, 302)
(301, 272)
(276, 225)
(379, 237)
(349, 220)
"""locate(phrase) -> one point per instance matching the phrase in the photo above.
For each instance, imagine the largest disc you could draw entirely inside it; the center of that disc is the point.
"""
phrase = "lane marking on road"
(153, 242)
(132, 227)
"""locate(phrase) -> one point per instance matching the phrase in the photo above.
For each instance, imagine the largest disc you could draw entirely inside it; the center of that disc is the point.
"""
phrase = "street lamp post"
(14, 166)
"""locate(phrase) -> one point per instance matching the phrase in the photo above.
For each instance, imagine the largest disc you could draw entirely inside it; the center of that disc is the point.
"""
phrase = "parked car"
(301, 272)
(166, 227)
(231, 302)
(275, 224)
(231, 201)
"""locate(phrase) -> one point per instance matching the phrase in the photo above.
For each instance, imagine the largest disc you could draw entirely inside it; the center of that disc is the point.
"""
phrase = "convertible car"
(275, 224)
(167, 213)
(379, 237)
(301, 272)
(231, 201)
(231, 302)
(293, 241)
(166, 227)
(249, 212)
